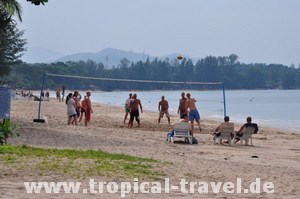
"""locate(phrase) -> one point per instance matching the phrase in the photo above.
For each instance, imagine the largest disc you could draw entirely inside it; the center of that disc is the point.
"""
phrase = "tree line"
(225, 69)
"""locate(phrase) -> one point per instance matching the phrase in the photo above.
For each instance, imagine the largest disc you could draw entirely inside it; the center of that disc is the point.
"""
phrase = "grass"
(79, 163)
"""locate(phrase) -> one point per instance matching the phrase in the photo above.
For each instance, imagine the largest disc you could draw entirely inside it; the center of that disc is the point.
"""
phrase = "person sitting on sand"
(88, 110)
(248, 124)
(127, 107)
(193, 112)
(72, 116)
(134, 110)
(216, 133)
(163, 108)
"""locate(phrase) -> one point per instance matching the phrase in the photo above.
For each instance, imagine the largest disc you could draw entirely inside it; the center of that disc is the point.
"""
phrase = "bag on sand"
(194, 140)
(169, 135)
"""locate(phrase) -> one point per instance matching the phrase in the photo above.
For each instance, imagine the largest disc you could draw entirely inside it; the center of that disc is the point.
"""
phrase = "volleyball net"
(138, 84)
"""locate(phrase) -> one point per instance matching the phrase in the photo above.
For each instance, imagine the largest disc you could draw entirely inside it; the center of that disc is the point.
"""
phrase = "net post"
(224, 98)
(40, 102)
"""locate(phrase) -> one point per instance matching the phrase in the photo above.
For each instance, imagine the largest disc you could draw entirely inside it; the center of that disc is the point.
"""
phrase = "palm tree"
(12, 7)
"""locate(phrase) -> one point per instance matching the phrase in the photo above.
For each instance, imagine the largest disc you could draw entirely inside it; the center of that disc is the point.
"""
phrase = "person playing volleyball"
(193, 112)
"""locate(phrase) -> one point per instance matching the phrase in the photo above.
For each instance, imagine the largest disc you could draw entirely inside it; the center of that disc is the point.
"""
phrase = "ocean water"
(272, 108)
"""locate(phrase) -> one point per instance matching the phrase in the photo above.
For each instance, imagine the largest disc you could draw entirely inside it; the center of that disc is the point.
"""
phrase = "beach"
(275, 156)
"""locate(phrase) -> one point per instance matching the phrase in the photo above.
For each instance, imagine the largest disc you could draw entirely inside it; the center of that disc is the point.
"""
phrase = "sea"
(270, 108)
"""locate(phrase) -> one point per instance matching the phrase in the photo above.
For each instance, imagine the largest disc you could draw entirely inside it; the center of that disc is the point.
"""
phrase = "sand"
(278, 151)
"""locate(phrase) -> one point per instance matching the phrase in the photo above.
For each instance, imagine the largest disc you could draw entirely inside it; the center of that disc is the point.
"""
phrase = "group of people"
(187, 110)
(216, 133)
(132, 106)
(76, 108)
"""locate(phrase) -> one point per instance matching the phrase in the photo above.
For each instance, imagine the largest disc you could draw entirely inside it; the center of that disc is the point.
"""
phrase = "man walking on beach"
(89, 109)
(182, 108)
(163, 107)
(193, 112)
(127, 107)
(134, 110)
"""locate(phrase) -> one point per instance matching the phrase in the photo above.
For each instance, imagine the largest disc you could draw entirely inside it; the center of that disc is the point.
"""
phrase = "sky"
(258, 31)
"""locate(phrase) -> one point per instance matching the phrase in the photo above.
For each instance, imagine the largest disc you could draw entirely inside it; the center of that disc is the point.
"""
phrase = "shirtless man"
(163, 107)
(181, 108)
(127, 107)
(89, 109)
(134, 110)
(193, 112)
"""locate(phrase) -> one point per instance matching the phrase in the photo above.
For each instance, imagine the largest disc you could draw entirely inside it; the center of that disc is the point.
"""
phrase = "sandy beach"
(278, 151)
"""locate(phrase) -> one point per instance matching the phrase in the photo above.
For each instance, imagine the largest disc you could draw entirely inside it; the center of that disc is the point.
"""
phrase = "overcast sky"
(258, 31)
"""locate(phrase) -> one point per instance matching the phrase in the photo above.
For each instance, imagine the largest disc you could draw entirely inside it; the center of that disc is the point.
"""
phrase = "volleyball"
(179, 57)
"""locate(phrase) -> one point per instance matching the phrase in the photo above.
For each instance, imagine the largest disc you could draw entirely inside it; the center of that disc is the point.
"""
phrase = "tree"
(38, 2)
(12, 7)
(11, 42)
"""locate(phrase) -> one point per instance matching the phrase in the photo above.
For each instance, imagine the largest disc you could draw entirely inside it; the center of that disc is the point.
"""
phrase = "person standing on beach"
(83, 108)
(193, 112)
(127, 107)
(182, 108)
(76, 97)
(89, 109)
(134, 110)
(58, 94)
(63, 93)
(72, 116)
(47, 94)
(163, 107)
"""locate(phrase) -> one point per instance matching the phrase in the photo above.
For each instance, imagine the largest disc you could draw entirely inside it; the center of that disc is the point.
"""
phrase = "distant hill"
(108, 56)
(111, 57)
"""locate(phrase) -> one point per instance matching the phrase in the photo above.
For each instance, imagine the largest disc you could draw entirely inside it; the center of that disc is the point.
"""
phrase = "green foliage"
(11, 42)
(226, 69)
(12, 7)
(6, 131)
(38, 2)
(79, 163)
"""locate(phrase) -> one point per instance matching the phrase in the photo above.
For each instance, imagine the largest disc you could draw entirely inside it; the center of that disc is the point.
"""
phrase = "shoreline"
(174, 114)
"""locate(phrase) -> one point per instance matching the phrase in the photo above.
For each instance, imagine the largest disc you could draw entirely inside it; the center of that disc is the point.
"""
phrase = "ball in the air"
(179, 57)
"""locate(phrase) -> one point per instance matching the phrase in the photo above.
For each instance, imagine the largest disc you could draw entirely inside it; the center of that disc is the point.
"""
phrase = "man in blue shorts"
(193, 112)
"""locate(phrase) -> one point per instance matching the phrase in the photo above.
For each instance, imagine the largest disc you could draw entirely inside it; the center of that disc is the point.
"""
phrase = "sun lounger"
(182, 130)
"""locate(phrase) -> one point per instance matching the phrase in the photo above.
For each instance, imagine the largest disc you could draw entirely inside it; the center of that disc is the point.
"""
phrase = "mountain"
(108, 56)
(111, 57)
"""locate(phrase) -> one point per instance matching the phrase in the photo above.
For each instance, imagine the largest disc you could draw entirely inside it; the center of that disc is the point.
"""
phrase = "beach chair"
(226, 129)
(247, 135)
(182, 130)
